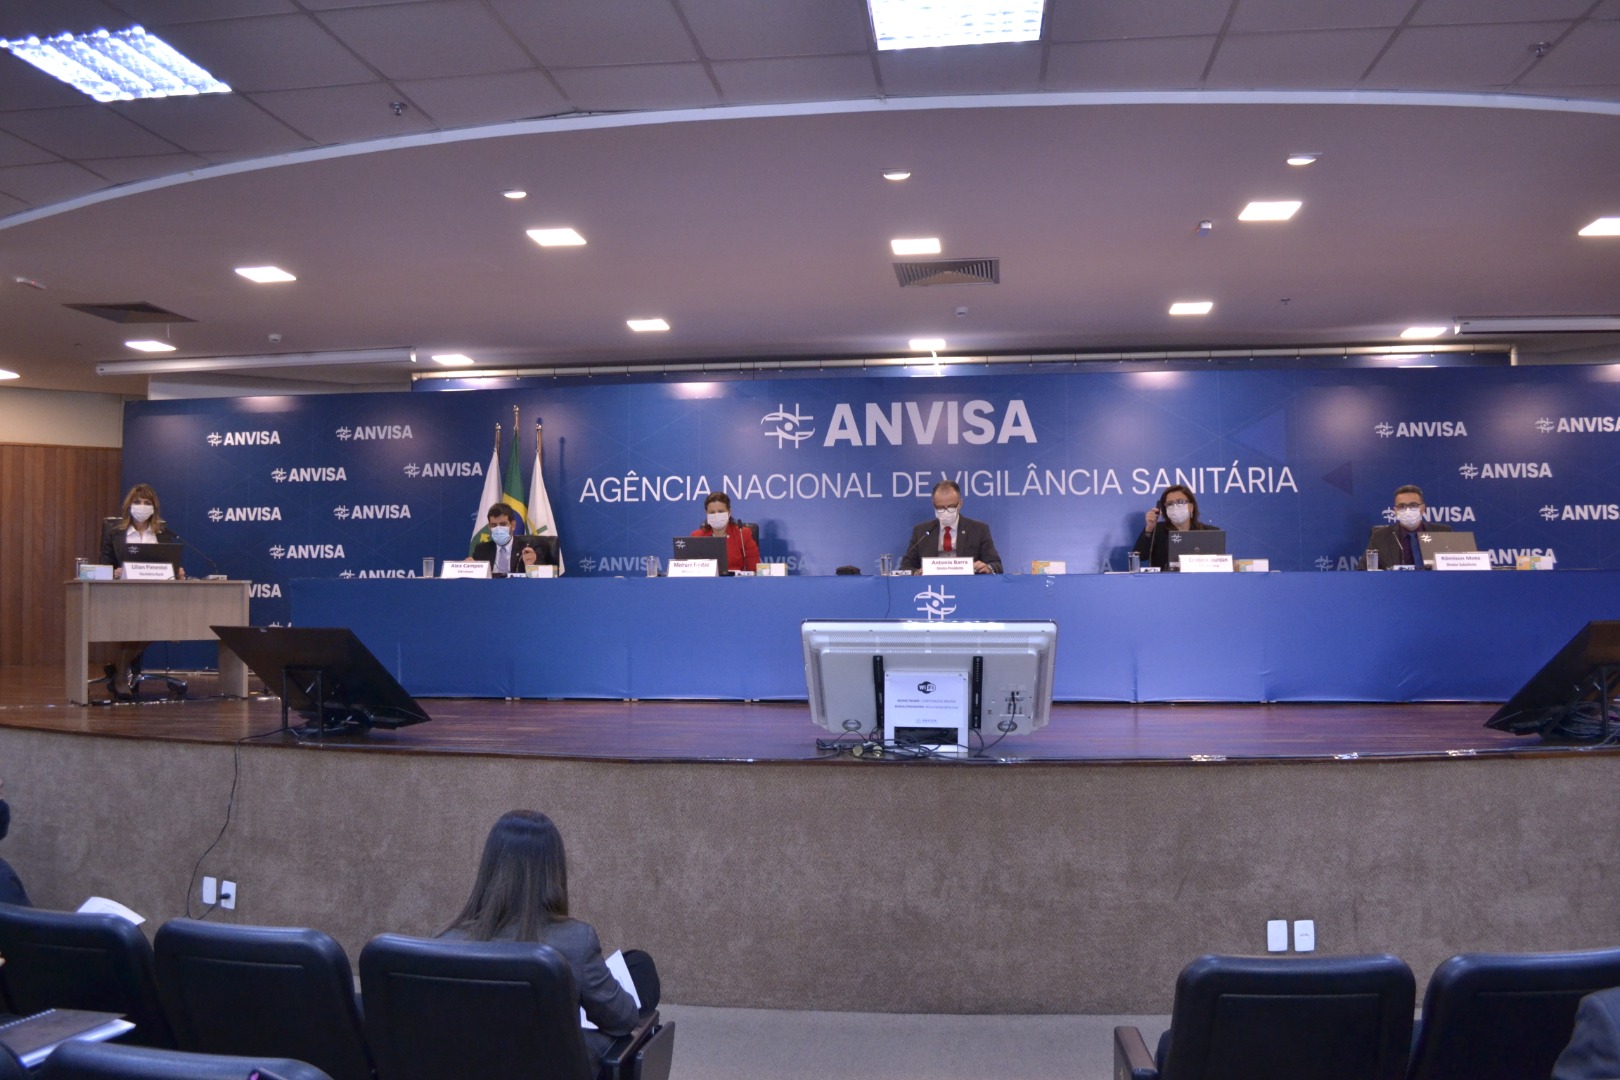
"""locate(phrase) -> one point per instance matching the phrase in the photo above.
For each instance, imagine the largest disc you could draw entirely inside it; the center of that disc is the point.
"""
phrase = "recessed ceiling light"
(1192, 307)
(4, 374)
(924, 245)
(1302, 159)
(646, 326)
(149, 346)
(556, 237)
(515, 193)
(265, 275)
(1269, 211)
(1425, 331)
(925, 24)
(896, 174)
(453, 359)
(118, 66)
(1603, 226)
(926, 344)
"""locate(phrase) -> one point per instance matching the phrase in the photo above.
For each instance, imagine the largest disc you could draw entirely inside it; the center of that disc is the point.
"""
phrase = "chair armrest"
(1131, 1058)
(619, 1060)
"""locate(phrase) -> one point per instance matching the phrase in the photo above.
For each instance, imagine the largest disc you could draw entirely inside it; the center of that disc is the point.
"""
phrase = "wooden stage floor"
(782, 732)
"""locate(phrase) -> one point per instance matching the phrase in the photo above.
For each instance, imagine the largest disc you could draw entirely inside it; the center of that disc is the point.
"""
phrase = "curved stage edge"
(1073, 883)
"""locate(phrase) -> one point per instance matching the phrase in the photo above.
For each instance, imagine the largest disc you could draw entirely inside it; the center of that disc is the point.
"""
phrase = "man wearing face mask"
(951, 535)
(11, 888)
(742, 550)
(497, 550)
(1396, 543)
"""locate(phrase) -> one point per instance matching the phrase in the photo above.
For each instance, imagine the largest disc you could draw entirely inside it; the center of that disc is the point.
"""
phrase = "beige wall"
(60, 417)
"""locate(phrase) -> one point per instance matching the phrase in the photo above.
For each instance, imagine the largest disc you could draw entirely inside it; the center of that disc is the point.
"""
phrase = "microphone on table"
(212, 565)
(926, 533)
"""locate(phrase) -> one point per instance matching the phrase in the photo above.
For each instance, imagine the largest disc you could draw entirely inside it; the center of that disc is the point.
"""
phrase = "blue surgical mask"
(501, 535)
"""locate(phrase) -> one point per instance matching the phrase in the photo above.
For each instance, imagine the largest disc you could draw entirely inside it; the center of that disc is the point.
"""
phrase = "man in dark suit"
(1593, 1052)
(951, 534)
(497, 550)
(1396, 543)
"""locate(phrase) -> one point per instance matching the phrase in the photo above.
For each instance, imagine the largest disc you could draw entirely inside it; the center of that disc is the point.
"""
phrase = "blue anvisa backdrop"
(1297, 466)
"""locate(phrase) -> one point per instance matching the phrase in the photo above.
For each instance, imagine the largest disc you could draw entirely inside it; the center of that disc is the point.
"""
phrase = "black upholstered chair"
(10, 1067)
(1262, 1018)
(261, 990)
(64, 960)
(1496, 1016)
(110, 1061)
(456, 1009)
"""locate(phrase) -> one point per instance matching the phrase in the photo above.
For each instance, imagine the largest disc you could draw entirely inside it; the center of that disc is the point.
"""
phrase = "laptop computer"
(702, 547)
(1431, 542)
(1195, 542)
(141, 552)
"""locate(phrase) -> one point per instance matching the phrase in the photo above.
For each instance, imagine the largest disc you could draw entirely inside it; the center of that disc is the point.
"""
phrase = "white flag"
(541, 521)
(491, 496)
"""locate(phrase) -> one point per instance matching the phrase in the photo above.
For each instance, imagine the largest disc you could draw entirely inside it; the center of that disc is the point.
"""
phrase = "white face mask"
(948, 518)
(1409, 519)
(141, 512)
(718, 521)
(1178, 515)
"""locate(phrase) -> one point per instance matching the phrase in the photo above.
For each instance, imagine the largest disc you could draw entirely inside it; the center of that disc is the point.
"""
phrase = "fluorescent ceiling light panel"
(4, 374)
(923, 245)
(1303, 159)
(926, 344)
(646, 326)
(896, 175)
(149, 346)
(118, 66)
(1425, 331)
(1269, 211)
(515, 193)
(556, 238)
(453, 359)
(1192, 307)
(930, 24)
(1603, 226)
(265, 275)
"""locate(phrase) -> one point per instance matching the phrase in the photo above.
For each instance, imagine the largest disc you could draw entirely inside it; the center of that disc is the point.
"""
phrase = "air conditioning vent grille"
(916, 275)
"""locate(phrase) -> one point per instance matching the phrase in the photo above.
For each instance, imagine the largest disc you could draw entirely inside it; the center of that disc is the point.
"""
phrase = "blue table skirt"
(1469, 636)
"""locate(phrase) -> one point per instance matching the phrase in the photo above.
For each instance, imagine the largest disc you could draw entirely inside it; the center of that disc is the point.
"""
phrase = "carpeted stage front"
(1078, 875)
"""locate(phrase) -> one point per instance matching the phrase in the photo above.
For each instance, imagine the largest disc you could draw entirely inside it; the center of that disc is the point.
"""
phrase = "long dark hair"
(522, 880)
(141, 491)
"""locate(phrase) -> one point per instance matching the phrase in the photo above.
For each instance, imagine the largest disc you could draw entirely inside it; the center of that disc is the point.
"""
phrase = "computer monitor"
(545, 548)
(1195, 542)
(929, 682)
(701, 547)
(1429, 543)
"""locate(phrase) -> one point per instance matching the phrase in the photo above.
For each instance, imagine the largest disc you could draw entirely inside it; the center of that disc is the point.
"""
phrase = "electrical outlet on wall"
(1277, 935)
(1304, 935)
(210, 890)
(227, 895)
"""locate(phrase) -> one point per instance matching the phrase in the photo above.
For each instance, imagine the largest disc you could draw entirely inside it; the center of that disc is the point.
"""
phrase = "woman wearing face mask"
(1177, 509)
(138, 523)
(742, 553)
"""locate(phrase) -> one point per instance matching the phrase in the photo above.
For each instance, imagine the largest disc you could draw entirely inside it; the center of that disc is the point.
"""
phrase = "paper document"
(621, 973)
(100, 905)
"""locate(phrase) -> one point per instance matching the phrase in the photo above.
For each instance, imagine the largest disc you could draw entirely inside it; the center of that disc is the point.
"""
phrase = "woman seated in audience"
(521, 894)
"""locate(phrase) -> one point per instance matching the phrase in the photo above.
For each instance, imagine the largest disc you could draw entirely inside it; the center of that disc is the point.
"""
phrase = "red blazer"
(741, 551)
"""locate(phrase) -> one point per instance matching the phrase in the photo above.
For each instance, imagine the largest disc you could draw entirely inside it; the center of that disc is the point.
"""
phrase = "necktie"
(946, 546)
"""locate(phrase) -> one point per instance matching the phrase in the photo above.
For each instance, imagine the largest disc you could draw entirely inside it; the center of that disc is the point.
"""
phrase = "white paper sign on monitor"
(148, 571)
(1462, 560)
(1206, 564)
(951, 565)
(464, 568)
(694, 568)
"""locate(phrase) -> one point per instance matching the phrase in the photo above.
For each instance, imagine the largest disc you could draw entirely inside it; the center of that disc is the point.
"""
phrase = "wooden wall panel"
(52, 500)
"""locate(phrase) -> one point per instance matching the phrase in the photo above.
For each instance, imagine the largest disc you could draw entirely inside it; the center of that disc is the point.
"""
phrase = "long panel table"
(1148, 637)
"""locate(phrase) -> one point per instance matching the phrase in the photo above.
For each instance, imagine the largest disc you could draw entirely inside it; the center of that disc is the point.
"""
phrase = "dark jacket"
(1593, 1052)
(1154, 546)
(1386, 540)
(742, 553)
(486, 551)
(970, 539)
(114, 546)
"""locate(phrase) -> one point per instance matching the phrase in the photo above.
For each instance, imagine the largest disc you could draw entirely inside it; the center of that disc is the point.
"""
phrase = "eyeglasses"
(1408, 506)
(1177, 502)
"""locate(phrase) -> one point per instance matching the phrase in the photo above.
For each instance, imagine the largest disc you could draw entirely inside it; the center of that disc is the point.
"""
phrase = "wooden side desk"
(151, 611)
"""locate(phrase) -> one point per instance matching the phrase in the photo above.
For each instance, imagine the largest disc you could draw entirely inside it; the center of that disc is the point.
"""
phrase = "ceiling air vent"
(948, 272)
(138, 312)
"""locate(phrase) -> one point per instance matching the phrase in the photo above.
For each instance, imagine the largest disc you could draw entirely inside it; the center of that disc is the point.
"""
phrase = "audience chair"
(455, 1009)
(261, 990)
(10, 1067)
(1491, 1016)
(1261, 1018)
(111, 1061)
(64, 960)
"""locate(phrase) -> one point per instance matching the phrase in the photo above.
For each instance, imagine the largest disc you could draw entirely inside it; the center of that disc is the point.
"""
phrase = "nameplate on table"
(542, 570)
(1462, 560)
(148, 571)
(694, 568)
(464, 568)
(1206, 564)
(943, 566)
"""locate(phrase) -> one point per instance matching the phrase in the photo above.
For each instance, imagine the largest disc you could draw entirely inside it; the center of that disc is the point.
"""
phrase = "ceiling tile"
(1459, 57)
(1590, 54)
(9, 206)
(1095, 20)
(20, 18)
(752, 29)
(1254, 16)
(338, 114)
(14, 151)
(1459, 12)
(1327, 59)
(278, 52)
(38, 185)
(801, 78)
(88, 130)
(130, 169)
(1142, 64)
(970, 69)
(156, 14)
(486, 99)
(648, 86)
(450, 37)
(216, 122)
(567, 33)
(1609, 9)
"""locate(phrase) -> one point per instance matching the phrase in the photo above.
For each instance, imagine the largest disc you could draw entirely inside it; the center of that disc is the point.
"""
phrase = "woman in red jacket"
(742, 553)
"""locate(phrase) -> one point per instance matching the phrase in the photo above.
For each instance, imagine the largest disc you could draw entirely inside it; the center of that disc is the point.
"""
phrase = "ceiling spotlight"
(926, 344)
(556, 237)
(1425, 331)
(4, 374)
(1270, 211)
(896, 174)
(1205, 227)
(646, 326)
(453, 359)
(515, 193)
(29, 282)
(1603, 226)
(1192, 307)
(149, 346)
(265, 275)
(926, 245)
(1302, 159)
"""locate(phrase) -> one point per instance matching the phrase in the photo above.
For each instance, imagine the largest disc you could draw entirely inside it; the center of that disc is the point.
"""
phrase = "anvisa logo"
(790, 427)
(264, 590)
(306, 551)
(362, 432)
(372, 512)
(244, 438)
(245, 513)
(1422, 429)
(935, 602)
(1606, 425)
(1583, 512)
(1510, 556)
(430, 469)
(1337, 562)
(1507, 470)
(930, 423)
(306, 474)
